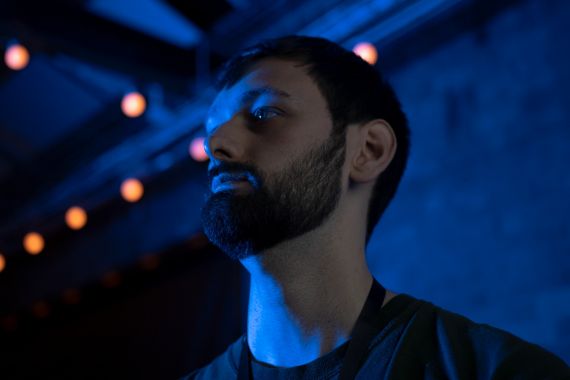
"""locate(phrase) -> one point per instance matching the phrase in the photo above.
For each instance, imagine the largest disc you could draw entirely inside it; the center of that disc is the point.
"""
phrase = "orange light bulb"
(17, 57)
(132, 190)
(33, 243)
(76, 218)
(197, 150)
(133, 104)
(367, 52)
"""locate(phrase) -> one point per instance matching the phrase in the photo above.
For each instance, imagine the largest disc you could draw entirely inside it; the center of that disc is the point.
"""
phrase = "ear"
(376, 149)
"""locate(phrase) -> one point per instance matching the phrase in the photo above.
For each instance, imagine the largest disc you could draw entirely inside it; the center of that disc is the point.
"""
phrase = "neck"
(304, 299)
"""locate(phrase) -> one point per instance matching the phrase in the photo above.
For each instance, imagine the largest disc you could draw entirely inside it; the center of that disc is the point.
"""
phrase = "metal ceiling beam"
(63, 27)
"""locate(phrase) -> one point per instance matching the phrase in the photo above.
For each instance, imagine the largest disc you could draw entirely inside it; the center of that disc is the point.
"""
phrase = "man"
(307, 145)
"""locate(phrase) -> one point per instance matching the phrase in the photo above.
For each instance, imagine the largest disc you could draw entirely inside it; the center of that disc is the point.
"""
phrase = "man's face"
(275, 170)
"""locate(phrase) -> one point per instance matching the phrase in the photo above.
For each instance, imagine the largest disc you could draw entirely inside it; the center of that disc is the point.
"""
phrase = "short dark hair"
(354, 90)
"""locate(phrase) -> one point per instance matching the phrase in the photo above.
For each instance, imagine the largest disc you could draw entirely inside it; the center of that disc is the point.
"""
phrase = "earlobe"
(376, 149)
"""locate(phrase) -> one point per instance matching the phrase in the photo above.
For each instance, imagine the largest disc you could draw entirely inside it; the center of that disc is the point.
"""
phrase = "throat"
(292, 323)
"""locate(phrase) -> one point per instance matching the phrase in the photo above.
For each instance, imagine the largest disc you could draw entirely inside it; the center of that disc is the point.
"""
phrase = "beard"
(281, 206)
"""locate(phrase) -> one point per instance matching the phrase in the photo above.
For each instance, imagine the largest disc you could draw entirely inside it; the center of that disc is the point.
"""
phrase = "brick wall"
(481, 224)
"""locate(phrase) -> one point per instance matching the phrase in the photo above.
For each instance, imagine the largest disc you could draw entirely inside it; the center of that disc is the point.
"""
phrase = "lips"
(226, 181)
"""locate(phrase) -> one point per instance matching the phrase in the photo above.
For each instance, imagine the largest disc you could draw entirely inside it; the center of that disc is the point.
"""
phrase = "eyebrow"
(265, 90)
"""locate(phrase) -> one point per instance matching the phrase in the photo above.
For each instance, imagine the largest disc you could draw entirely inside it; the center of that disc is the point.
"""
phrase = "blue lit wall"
(481, 224)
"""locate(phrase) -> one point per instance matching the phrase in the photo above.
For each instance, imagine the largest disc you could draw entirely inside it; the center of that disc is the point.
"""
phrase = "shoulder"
(437, 343)
(492, 352)
(222, 367)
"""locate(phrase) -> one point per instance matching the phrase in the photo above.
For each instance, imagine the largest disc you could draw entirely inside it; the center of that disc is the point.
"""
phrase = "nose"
(224, 143)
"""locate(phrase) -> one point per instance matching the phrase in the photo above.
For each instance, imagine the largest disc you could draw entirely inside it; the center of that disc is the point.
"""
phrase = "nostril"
(220, 153)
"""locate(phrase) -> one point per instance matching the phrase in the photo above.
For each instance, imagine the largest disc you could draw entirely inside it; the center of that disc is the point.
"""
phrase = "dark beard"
(282, 206)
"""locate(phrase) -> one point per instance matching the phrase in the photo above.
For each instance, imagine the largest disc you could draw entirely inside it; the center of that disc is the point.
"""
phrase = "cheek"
(276, 147)
(318, 127)
(277, 154)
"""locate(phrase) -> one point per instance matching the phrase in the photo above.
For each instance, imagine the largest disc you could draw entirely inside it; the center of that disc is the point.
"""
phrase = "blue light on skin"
(260, 104)
(254, 107)
(238, 107)
(302, 341)
(224, 182)
(231, 185)
(306, 292)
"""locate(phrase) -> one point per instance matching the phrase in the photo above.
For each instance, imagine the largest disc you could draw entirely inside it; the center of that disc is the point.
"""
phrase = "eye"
(264, 113)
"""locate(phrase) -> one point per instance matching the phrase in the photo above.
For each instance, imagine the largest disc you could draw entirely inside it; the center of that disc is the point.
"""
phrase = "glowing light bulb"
(33, 243)
(41, 309)
(132, 190)
(133, 104)
(367, 52)
(111, 279)
(76, 218)
(71, 296)
(197, 151)
(17, 57)
(149, 262)
(2, 262)
(9, 323)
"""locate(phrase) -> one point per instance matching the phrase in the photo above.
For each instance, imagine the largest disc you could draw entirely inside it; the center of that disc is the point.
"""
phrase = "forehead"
(270, 79)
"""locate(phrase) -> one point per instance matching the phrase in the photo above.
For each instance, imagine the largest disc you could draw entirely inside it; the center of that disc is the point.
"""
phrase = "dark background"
(479, 226)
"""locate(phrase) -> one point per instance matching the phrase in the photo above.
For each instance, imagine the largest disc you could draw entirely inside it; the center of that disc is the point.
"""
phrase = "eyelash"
(254, 115)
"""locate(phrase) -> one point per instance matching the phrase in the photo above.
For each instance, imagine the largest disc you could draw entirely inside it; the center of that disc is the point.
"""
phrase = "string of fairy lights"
(133, 105)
